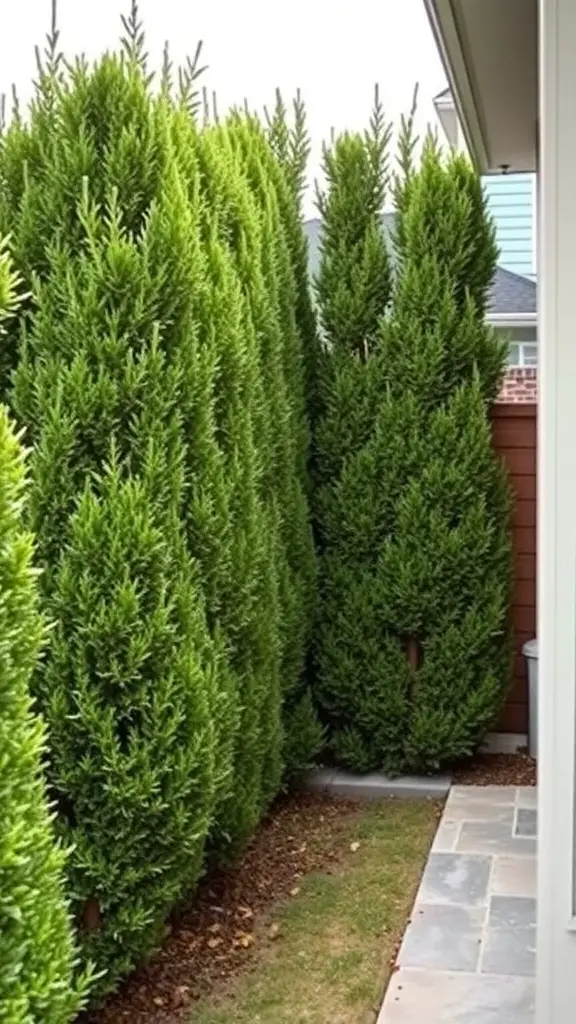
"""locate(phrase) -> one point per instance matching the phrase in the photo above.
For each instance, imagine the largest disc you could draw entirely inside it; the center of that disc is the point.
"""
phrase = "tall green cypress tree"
(139, 705)
(353, 286)
(37, 955)
(284, 363)
(447, 560)
(242, 586)
(431, 501)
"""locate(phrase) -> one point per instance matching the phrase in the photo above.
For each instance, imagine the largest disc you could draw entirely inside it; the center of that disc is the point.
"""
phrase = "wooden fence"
(514, 432)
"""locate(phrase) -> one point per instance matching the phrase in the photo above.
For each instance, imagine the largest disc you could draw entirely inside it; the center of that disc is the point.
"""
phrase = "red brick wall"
(514, 432)
(520, 386)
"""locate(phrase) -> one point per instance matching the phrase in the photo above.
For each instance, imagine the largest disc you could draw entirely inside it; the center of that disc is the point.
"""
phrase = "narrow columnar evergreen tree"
(304, 735)
(37, 954)
(283, 362)
(232, 210)
(138, 701)
(353, 287)
(447, 596)
(433, 533)
(291, 145)
(241, 587)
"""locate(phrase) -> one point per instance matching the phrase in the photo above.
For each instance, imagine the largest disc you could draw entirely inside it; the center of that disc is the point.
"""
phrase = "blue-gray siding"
(511, 203)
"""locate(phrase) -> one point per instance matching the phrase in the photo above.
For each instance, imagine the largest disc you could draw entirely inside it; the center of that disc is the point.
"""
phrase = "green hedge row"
(157, 368)
(166, 370)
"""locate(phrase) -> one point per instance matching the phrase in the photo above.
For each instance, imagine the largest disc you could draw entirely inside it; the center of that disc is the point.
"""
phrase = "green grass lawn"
(337, 938)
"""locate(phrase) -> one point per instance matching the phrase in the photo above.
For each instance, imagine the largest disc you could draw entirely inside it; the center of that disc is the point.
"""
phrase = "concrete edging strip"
(376, 786)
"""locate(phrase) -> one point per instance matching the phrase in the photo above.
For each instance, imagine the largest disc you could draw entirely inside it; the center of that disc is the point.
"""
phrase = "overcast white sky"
(334, 50)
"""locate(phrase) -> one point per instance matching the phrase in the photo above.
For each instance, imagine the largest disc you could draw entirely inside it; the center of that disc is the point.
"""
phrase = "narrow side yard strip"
(326, 955)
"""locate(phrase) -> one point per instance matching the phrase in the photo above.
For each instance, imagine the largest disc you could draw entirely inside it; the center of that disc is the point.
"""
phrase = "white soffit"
(489, 49)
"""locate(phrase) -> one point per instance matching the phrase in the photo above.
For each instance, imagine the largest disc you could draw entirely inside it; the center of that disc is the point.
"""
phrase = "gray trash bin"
(530, 652)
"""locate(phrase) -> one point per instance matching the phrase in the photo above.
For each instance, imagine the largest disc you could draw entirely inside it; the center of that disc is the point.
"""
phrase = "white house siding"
(556, 938)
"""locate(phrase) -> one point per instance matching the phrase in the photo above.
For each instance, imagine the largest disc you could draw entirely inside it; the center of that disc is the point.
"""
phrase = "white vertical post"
(556, 960)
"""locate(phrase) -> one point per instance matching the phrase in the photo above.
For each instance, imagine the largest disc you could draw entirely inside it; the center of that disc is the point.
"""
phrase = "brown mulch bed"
(213, 939)
(496, 770)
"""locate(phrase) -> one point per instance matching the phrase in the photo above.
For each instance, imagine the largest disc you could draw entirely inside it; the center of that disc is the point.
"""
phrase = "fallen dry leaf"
(295, 890)
(354, 847)
(214, 943)
(180, 996)
(215, 928)
(246, 939)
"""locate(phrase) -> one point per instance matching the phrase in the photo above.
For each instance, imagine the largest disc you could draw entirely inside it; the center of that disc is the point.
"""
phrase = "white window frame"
(518, 321)
(522, 362)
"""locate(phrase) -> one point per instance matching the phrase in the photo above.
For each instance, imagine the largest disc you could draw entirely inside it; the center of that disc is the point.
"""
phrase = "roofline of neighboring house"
(442, 102)
(512, 319)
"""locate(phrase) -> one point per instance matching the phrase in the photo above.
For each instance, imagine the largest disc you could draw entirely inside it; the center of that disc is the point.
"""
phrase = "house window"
(523, 353)
(522, 347)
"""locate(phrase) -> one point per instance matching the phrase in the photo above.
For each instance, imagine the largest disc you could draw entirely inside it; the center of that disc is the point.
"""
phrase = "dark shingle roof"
(511, 293)
(446, 94)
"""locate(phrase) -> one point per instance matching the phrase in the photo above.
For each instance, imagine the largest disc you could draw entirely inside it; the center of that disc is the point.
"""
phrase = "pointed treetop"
(290, 142)
(48, 61)
(15, 106)
(134, 38)
(299, 146)
(407, 140)
(378, 142)
(205, 105)
(166, 73)
(277, 125)
(187, 81)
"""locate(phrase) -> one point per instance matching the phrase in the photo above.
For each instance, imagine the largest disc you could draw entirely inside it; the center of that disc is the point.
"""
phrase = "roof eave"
(447, 36)
(512, 319)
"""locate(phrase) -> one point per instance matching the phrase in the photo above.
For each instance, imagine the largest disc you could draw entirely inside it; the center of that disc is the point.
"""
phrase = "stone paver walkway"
(468, 955)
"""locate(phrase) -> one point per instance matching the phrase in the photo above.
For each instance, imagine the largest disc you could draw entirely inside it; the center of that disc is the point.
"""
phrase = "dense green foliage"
(291, 144)
(168, 370)
(128, 687)
(278, 198)
(37, 956)
(413, 647)
(158, 370)
(353, 288)
(239, 559)
(243, 186)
